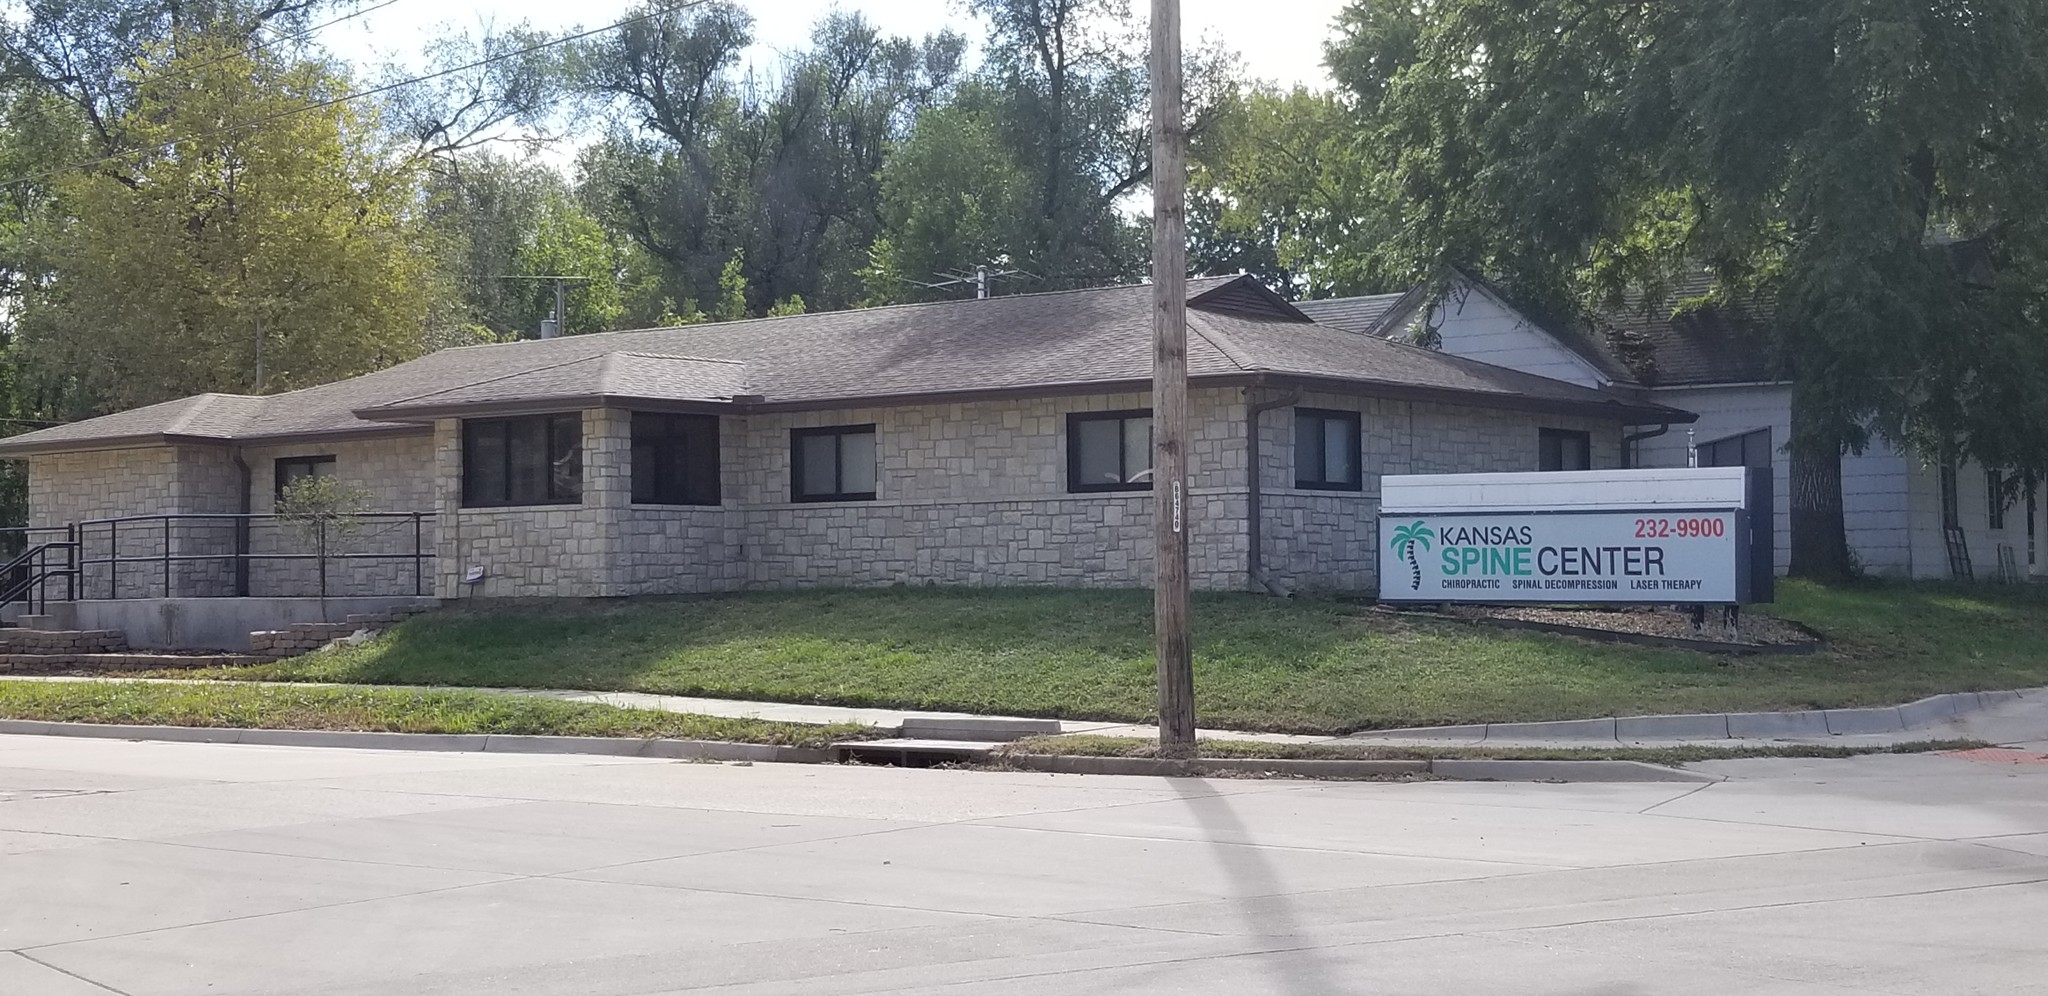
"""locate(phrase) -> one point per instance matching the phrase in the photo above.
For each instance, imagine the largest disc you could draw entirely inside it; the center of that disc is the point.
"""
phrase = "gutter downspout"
(1628, 453)
(1255, 553)
(242, 524)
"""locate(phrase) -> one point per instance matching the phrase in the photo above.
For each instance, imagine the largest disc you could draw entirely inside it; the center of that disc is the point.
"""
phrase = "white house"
(1717, 363)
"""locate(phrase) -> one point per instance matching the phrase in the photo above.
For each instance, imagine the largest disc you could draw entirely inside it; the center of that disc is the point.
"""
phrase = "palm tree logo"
(1405, 540)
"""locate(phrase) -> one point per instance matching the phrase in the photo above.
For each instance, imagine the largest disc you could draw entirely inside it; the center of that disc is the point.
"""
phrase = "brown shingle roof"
(1670, 346)
(1352, 314)
(1064, 341)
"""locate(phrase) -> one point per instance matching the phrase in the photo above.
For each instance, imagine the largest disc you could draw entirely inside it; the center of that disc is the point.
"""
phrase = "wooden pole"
(1170, 387)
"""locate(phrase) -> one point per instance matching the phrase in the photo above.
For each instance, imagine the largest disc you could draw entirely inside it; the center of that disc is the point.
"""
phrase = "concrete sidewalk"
(2007, 719)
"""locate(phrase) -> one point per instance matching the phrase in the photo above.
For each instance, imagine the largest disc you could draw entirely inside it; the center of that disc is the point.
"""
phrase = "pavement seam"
(67, 972)
(1645, 811)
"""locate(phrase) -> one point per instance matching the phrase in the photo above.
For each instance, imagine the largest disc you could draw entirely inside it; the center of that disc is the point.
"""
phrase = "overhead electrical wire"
(356, 95)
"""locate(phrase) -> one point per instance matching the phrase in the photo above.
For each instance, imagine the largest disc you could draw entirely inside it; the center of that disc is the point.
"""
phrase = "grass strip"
(384, 710)
(1302, 665)
(1082, 745)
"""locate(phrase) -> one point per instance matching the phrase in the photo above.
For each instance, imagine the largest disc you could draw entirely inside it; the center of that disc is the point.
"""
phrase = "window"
(1994, 490)
(1109, 451)
(675, 459)
(290, 470)
(1326, 450)
(1949, 503)
(1751, 449)
(833, 464)
(533, 460)
(1564, 449)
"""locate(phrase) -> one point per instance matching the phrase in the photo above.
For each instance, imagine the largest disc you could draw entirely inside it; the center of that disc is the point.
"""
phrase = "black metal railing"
(214, 555)
(28, 577)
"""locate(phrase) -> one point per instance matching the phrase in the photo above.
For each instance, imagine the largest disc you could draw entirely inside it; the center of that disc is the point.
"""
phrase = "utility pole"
(1170, 600)
(981, 283)
(561, 306)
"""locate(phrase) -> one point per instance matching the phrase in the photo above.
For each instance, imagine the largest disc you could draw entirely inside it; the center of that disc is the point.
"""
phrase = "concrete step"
(912, 752)
(977, 728)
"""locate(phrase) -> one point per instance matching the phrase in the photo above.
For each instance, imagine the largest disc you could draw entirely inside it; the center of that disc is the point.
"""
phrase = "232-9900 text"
(1682, 528)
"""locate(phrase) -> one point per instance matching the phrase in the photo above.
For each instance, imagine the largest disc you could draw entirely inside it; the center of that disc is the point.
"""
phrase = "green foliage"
(247, 245)
(1279, 188)
(323, 509)
(1818, 154)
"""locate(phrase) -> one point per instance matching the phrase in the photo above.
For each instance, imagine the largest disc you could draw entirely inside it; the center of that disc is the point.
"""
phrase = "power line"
(359, 94)
(253, 46)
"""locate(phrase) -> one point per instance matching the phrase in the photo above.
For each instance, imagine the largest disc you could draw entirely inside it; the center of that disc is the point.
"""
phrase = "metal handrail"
(165, 558)
(30, 588)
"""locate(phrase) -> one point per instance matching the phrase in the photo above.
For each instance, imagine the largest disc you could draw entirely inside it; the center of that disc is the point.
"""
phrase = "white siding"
(1973, 513)
(1725, 412)
(1476, 326)
(1876, 506)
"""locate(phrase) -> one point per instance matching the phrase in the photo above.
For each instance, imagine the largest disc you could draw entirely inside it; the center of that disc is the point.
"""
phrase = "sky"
(1280, 40)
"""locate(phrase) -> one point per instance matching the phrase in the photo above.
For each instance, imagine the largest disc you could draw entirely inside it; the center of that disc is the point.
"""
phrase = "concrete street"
(159, 868)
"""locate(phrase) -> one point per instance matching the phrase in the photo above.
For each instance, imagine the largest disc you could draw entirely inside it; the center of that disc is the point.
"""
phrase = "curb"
(711, 750)
(685, 750)
(1930, 711)
(1455, 769)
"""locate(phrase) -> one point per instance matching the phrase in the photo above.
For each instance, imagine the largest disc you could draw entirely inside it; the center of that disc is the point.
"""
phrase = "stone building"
(1003, 441)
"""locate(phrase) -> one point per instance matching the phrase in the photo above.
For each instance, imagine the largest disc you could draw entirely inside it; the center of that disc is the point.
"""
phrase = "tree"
(1279, 189)
(782, 169)
(1822, 156)
(262, 237)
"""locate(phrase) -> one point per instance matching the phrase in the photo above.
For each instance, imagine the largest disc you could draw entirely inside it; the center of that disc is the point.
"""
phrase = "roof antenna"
(983, 274)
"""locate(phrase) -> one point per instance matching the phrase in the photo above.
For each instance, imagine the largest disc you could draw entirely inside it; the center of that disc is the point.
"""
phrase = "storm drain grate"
(1999, 755)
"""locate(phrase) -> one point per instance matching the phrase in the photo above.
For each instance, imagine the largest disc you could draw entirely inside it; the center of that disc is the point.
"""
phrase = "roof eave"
(1624, 412)
(538, 406)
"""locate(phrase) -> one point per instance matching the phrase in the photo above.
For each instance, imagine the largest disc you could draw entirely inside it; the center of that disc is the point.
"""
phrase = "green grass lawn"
(272, 707)
(1301, 665)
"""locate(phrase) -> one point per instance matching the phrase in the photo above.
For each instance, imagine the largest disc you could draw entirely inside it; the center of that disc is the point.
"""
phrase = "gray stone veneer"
(966, 493)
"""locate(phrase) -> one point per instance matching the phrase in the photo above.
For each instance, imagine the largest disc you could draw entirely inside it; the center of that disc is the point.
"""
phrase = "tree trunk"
(1820, 538)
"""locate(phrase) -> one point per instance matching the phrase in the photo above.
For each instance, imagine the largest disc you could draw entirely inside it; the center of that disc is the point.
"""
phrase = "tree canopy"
(1846, 162)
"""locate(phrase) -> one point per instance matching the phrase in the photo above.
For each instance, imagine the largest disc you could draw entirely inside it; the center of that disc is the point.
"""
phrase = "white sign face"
(1685, 558)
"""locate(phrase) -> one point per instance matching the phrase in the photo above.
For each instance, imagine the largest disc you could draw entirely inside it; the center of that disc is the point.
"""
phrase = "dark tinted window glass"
(536, 460)
(833, 464)
(1109, 451)
(1326, 448)
(675, 459)
(1564, 449)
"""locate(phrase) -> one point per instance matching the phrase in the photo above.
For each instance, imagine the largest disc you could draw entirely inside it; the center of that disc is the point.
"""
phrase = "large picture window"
(833, 464)
(1326, 450)
(1109, 451)
(291, 470)
(533, 460)
(675, 459)
(1564, 449)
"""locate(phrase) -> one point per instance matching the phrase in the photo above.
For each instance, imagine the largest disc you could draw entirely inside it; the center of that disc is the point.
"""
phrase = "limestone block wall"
(570, 551)
(397, 474)
(976, 493)
(65, 488)
(967, 493)
(1329, 539)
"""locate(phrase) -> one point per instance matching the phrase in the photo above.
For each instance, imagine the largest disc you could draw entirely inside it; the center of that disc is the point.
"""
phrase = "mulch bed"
(1754, 630)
